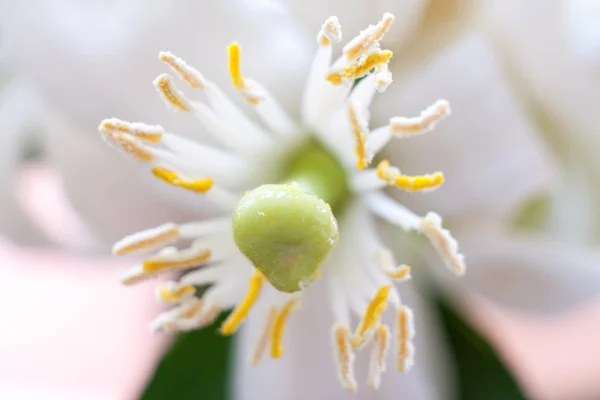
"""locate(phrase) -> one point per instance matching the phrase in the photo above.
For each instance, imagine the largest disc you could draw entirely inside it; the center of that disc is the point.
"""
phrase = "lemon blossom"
(285, 230)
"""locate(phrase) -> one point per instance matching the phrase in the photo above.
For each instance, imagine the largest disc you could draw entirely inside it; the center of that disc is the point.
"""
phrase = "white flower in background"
(283, 230)
(553, 54)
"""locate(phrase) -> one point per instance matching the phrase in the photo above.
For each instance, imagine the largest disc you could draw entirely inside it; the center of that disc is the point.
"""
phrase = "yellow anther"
(344, 357)
(166, 87)
(381, 342)
(265, 336)
(443, 242)
(368, 38)
(406, 127)
(172, 178)
(392, 176)
(184, 259)
(360, 132)
(361, 68)
(387, 264)
(251, 94)
(190, 310)
(131, 146)
(232, 323)
(149, 239)
(147, 133)
(279, 326)
(330, 31)
(187, 73)
(399, 273)
(371, 317)
(335, 78)
(175, 294)
(404, 333)
(234, 65)
(419, 182)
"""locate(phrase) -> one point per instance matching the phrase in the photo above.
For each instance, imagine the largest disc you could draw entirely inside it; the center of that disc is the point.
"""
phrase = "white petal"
(544, 46)
(491, 156)
(531, 274)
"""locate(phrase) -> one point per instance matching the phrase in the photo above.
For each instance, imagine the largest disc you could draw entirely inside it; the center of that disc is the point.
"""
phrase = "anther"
(249, 91)
(443, 242)
(187, 73)
(279, 326)
(147, 133)
(361, 68)
(174, 293)
(371, 317)
(344, 358)
(406, 127)
(387, 264)
(392, 176)
(131, 146)
(265, 336)
(237, 316)
(331, 31)
(360, 131)
(368, 38)
(404, 333)
(172, 97)
(381, 342)
(149, 239)
(175, 179)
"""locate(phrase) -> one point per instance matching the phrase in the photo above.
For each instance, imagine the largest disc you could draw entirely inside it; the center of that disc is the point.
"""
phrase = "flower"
(269, 222)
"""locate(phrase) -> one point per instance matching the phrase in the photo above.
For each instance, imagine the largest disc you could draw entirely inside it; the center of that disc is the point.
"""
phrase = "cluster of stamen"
(152, 145)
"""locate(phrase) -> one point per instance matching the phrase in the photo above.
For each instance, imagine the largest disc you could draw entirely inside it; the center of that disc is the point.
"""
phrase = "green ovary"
(287, 230)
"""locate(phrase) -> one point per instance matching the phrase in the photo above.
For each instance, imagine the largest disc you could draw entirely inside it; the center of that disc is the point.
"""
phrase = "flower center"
(318, 171)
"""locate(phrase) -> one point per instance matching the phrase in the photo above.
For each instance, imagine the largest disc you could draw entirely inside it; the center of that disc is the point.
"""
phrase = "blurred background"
(524, 80)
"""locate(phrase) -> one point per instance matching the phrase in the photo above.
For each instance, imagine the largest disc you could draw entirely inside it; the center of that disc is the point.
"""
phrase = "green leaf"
(195, 367)
(481, 374)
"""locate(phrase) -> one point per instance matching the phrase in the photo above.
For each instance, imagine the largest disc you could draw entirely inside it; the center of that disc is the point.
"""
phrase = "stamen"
(371, 317)
(361, 68)
(404, 333)
(131, 146)
(149, 239)
(232, 323)
(183, 259)
(406, 127)
(387, 264)
(265, 336)
(360, 130)
(174, 293)
(169, 321)
(383, 79)
(343, 356)
(392, 176)
(234, 65)
(147, 133)
(368, 38)
(172, 178)
(187, 73)
(279, 326)
(381, 342)
(331, 31)
(171, 96)
(252, 94)
(443, 242)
